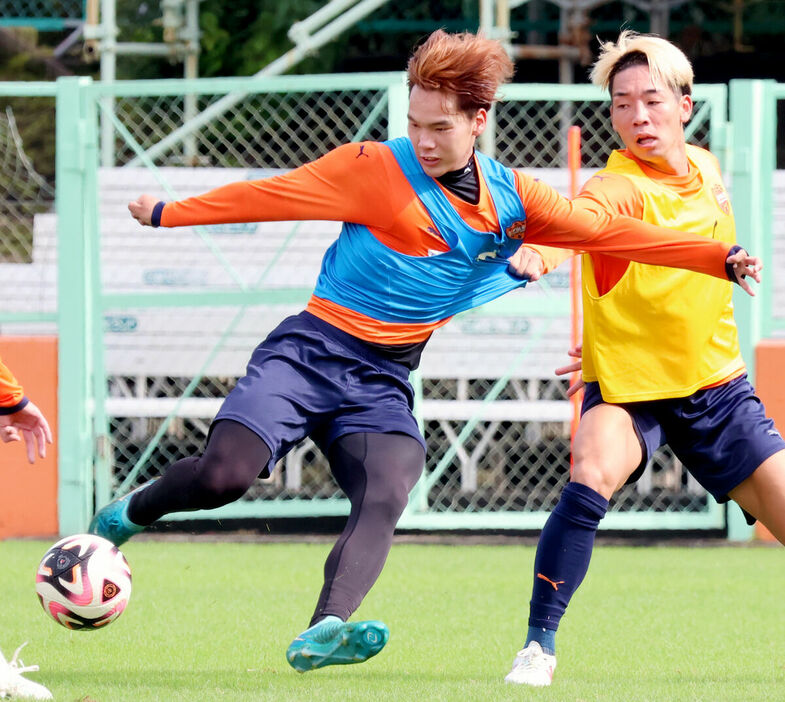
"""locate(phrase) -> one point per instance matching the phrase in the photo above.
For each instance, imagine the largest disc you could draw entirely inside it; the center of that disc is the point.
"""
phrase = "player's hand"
(526, 263)
(575, 352)
(28, 423)
(142, 209)
(745, 265)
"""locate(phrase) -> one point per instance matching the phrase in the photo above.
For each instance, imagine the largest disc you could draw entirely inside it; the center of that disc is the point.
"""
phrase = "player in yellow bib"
(661, 360)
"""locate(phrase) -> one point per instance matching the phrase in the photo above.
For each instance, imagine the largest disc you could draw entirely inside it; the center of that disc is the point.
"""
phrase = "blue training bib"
(362, 274)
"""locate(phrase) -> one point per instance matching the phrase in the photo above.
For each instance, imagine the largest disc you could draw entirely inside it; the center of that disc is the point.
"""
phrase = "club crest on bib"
(516, 230)
(721, 196)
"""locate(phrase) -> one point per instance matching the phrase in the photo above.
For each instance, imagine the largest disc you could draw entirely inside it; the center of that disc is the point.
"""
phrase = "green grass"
(212, 622)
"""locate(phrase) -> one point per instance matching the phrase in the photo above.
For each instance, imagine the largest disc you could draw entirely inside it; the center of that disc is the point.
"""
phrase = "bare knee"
(593, 472)
(762, 494)
(606, 449)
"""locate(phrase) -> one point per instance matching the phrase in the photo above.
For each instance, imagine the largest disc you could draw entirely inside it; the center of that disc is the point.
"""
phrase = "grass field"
(212, 621)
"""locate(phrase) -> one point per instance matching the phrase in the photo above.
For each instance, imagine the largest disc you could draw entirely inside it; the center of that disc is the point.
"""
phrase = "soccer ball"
(83, 582)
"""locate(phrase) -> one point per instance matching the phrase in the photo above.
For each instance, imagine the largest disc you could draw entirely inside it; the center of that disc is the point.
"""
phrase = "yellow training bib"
(664, 332)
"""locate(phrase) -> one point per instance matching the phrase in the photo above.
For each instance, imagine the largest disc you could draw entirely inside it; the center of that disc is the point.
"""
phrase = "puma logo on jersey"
(485, 255)
(554, 584)
(491, 257)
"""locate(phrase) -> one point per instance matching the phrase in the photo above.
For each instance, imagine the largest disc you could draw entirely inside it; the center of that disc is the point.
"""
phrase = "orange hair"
(468, 65)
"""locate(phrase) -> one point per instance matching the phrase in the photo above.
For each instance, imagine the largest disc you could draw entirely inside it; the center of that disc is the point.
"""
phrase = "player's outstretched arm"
(141, 209)
(28, 423)
(555, 221)
(340, 187)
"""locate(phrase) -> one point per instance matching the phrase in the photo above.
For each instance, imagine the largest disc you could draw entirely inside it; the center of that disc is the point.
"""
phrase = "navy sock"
(563, 555)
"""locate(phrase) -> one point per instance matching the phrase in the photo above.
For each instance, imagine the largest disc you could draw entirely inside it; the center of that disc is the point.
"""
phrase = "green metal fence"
(151, 336)
(44, 15)
(24, 194)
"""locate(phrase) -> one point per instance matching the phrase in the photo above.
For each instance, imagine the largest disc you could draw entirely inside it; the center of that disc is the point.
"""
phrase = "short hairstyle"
(666, 62)
(468, 65)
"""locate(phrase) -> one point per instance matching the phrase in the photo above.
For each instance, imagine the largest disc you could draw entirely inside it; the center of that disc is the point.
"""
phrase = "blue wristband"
(16, 408)
(729, 270)
(155, 218)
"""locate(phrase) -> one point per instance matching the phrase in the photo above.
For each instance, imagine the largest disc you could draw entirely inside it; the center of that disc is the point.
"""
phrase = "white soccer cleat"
(532, 666)
(14, 686)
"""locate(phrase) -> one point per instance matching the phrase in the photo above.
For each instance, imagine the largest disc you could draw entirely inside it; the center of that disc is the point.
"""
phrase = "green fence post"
(753, 148)
(75, 174)
(397, 108)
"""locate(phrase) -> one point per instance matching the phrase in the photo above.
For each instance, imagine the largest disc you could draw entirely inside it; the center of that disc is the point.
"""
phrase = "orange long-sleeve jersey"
(363, 183)
(12, 396)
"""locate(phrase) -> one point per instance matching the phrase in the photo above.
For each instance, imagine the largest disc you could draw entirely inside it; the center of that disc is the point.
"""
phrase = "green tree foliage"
(254, 34)
(236, 39)
(242, 38)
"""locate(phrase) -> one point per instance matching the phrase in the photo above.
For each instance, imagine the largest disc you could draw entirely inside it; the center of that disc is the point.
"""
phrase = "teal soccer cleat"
(334, 642)
(112, 522)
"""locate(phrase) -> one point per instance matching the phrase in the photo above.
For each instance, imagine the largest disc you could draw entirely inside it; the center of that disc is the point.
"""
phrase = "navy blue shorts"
(308, 378)
(721, 434)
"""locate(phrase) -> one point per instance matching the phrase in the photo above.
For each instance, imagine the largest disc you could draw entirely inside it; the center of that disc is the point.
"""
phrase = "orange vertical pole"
(576, 326)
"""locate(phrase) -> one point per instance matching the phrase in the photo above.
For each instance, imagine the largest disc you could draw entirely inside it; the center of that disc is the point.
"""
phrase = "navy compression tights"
(376, 471)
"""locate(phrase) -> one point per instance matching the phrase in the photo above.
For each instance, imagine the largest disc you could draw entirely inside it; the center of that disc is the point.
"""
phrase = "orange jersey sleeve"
(11, 392)
(610, 192)
(340, 186)
(358, 183)
(553, 220)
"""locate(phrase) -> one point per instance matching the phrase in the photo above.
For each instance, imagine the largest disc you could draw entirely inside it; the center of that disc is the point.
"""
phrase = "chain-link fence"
(269, 131)
(45, 15)
(287, 130)
(23, 193)
(28, 279)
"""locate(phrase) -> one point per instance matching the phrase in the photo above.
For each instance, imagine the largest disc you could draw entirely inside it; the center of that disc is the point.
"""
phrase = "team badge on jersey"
(516, 230)
(721, 196)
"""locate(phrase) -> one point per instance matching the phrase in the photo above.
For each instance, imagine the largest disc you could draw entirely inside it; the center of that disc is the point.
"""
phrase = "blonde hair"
(666, 62)
(468, 65)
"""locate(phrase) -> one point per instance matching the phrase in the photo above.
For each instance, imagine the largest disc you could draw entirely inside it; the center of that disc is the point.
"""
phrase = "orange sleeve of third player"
(345, 185)
(616, 194)
(11, 392)
(602, 193)
(555, 221)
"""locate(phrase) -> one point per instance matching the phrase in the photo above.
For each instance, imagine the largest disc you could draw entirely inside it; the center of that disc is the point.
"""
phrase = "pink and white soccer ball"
(83, 582)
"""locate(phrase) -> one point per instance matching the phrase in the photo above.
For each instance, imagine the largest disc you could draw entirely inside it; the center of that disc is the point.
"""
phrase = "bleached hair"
(667, 63)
